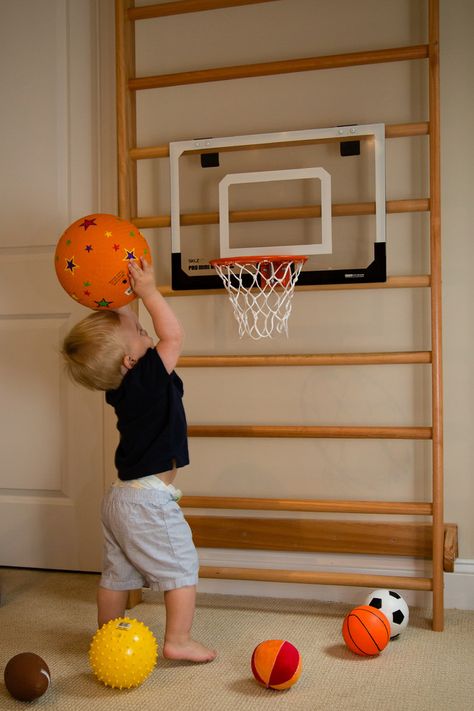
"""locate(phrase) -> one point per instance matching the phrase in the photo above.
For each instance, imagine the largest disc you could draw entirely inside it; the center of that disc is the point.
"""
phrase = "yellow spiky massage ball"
(123, 653)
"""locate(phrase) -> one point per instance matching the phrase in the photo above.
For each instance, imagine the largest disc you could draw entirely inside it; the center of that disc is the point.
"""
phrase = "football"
(394, 608)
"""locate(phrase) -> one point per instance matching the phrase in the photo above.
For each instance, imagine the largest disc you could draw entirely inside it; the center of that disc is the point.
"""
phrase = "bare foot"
(190, 651)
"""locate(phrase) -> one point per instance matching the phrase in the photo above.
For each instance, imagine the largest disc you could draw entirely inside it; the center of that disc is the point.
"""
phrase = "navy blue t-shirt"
(150, 418)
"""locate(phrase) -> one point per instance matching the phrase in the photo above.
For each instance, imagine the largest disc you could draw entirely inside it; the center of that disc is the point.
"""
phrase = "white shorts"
(148, 542)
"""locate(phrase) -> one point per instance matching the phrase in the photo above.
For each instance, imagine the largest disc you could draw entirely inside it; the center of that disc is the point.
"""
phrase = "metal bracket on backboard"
(374, 272)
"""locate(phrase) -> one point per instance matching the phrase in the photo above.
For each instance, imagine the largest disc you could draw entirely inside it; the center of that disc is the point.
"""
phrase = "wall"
(321, 322)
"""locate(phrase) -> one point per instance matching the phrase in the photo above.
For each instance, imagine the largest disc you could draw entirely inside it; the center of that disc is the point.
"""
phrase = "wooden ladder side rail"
(436, 332)
(284, 213)
(127, 189)
(126, 111)
(286, 66)
(397, 130)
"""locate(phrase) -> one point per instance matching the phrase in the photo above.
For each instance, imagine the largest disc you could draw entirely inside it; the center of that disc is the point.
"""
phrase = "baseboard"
(459, 585)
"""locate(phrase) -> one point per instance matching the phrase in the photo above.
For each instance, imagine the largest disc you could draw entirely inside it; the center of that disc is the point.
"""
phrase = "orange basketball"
(92, 258)
(366, 631)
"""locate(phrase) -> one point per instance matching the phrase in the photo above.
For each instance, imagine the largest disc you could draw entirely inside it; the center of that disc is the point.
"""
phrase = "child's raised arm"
(166, 325)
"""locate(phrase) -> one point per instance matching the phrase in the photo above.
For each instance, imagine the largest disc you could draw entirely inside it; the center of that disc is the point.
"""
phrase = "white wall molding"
(459, 586)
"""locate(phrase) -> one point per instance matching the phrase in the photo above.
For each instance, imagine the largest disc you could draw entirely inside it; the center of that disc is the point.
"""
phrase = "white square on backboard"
(264, 176)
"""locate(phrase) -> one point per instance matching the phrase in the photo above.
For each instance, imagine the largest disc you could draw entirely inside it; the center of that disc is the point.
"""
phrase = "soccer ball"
(394, 608)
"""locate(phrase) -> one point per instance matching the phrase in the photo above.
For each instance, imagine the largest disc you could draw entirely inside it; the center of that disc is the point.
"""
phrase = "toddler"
(147, 540)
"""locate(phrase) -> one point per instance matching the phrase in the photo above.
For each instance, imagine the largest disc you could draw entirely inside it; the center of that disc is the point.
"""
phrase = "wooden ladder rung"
(396, 130)
(317, 578)
(305, 64)
(411, 508)
(355, 209)
(180, 7)
(419, 281)
(309, 432)
(308, 359)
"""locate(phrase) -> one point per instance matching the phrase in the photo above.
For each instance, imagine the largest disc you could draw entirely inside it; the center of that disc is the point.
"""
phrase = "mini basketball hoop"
(260, 289)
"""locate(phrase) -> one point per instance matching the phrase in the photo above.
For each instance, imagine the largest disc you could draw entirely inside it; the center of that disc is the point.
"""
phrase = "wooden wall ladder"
(434, 541)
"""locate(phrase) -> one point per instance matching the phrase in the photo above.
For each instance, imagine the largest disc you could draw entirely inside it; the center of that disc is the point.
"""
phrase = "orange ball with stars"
(92, 258)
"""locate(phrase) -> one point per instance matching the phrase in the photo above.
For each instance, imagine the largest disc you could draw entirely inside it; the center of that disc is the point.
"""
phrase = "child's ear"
(129, 362)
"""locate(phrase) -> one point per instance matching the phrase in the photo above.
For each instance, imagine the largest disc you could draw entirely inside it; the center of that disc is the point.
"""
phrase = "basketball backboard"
(317, 192)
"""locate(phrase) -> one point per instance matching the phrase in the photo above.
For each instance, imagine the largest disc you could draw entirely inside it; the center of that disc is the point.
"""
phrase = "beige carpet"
(53, 614)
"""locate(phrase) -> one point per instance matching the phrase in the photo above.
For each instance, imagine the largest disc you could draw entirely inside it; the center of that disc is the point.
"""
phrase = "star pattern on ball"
(108, 233)
(71, 265)
(88, 223)
(103, 303)
(129, 255)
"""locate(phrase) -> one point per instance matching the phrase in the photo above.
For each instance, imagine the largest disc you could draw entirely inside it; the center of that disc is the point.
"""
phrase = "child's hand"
(142, 279)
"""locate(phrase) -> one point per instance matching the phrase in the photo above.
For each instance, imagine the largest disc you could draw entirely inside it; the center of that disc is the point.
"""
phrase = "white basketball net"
(260, 290)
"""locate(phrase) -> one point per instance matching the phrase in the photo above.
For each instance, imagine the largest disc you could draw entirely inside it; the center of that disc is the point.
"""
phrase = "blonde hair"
(94, 350)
